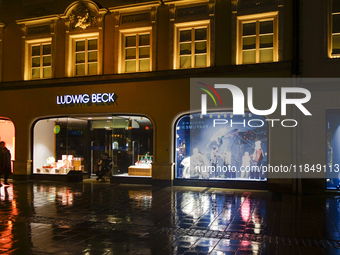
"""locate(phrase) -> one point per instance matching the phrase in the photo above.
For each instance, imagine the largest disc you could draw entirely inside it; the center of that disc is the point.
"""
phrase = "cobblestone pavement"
(94, 218)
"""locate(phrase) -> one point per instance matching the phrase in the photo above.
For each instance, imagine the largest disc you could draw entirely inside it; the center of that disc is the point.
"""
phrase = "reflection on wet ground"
(93, 218)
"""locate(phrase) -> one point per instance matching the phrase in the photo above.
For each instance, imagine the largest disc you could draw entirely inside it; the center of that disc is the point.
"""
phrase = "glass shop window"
(228, 151)
(80, 143)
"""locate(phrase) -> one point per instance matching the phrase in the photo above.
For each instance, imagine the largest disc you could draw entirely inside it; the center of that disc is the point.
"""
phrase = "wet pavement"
(95, 218)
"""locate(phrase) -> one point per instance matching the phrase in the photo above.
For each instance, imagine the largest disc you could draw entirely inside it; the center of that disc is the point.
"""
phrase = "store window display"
(79, 143)
(220, 146)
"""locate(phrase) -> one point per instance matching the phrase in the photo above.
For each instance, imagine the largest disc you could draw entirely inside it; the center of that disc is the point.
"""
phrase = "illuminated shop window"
(192, 45)
(335, 29)
(224, 152)
(86, 56)
(80, 143)
(333, 149)
(257, 41)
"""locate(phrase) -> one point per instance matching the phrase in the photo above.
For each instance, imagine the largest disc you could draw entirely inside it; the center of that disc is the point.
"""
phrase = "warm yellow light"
(13, 140)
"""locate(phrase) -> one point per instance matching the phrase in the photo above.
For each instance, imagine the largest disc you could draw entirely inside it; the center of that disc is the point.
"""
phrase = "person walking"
(5, 162)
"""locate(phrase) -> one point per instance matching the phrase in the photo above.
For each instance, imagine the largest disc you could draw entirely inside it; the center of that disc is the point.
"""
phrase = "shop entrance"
(7, 134)
(124, 143)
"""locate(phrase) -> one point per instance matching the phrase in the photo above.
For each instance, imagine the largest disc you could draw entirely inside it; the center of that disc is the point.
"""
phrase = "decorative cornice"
(135, 7)
(38, 20)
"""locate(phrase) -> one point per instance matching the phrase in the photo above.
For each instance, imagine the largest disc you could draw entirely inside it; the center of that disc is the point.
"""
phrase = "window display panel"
(333, 149)
(221, 146)
(59, 146)
(98, 145)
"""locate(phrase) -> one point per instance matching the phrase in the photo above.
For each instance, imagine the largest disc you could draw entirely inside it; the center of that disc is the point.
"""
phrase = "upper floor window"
(136, 50)
(38, 59)
(192, 45)
(335, 42)
(257, 38)
(41, 61)
(84, 54)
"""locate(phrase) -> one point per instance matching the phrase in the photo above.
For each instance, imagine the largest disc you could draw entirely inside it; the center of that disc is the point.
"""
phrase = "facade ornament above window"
(83, 15)
(83, 21)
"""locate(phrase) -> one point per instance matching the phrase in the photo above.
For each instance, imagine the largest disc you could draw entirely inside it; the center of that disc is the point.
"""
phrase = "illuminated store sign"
(97, 98)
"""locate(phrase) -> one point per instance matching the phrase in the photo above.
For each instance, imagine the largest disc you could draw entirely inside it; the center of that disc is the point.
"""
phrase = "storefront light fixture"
(225, 115)
(218, 116)
(201, 116)
(191, 117)
(210, 115)
(110, 118)
(89, 118)
(250, 114)
(231, 116)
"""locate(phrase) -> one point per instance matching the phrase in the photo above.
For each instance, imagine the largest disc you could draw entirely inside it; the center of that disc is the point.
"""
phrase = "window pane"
(144, 39)
(249, 28)
(249, 42)
(266, 41)
(185, 62)
(130, 53)
(80, 57)
(80, 46)
(92, 44)
(92, 56)
(92, 68)
(200, 34)
(266, 27)
(144, 52)
(144, 65)
(130, 41)
(266, 55)
(36, 73)
(336, 44)
(47, 49)
(130, 66)
(201, 60)
(249, 57)
(47, 72)
(185, 48)
(36, 51)
(36, 62)
(336, 6)
(336, 23)
(201, 47)
(47, 61)
(80, 69)
(185, 36)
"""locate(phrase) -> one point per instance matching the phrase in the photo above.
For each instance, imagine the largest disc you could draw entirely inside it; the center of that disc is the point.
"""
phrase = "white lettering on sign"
(85, 98)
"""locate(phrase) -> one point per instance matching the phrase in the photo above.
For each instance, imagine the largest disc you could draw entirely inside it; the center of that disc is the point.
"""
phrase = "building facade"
(80, 79)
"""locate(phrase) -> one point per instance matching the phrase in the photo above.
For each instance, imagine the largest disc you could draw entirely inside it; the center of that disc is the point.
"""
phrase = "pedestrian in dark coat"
(5, 162)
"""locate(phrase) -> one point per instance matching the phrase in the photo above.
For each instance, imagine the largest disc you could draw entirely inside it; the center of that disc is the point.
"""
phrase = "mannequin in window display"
(246, 163)
(218, 136)
(257, 157)
(214, 161)
(226, 157)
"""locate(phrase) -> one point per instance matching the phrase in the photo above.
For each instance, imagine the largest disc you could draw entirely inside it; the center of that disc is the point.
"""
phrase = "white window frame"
(71, 69)
(121, 56)
(186, 26)
(28, 58)
(257, 18)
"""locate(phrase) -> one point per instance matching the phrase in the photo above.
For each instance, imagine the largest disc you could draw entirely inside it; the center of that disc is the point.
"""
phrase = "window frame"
(131, 32)
(257, 18)
(72, 53)
(187, 26)
(28, 58)
(330, 33)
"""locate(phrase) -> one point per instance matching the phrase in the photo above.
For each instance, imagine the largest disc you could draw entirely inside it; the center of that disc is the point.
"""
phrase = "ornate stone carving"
(82, 18)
